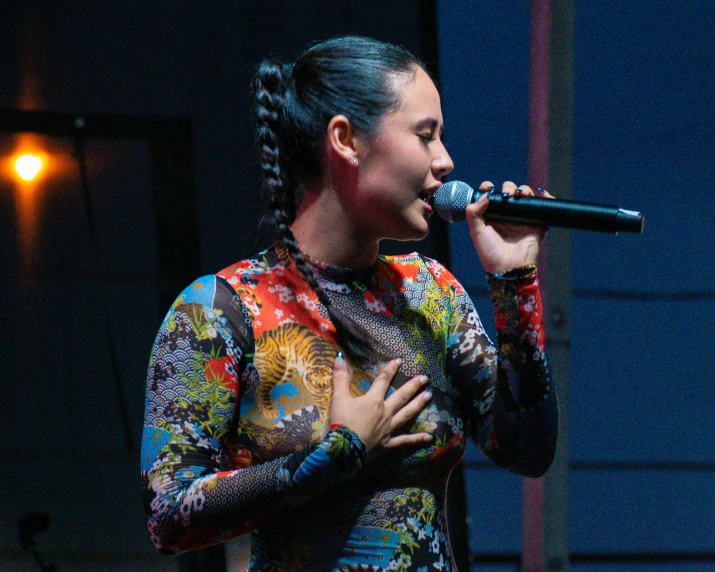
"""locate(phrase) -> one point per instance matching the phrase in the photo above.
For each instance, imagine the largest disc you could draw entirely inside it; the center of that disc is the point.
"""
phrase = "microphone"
(452, 198)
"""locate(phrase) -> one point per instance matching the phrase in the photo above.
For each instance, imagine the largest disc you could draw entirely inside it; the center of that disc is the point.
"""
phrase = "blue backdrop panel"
(643, 140)
(479, 567)
(494, 510)
(484, 80)
(640, 388)
(641, 511)
(641, 567)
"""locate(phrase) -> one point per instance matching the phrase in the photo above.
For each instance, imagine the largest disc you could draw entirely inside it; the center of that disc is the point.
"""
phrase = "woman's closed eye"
(431, 135)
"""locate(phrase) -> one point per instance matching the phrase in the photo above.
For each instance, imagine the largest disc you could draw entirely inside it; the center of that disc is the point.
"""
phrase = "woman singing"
(318, 395)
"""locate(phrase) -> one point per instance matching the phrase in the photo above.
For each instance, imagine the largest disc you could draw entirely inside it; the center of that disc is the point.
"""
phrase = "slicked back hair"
(294, 103)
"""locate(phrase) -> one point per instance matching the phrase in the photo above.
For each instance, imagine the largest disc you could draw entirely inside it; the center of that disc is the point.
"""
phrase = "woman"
(319, 394)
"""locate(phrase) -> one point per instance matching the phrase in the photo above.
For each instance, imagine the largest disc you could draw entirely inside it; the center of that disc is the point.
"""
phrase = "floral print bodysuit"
(239, 384)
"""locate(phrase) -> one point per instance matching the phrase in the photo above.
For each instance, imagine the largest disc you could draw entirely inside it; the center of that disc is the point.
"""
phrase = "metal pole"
(545, 500)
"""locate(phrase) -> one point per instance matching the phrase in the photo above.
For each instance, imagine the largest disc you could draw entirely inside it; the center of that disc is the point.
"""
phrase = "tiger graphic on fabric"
(291, 352)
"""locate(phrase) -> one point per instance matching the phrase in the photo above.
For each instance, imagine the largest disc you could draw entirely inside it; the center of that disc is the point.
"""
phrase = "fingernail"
(504, 194)
(492, 191)
(424, 379)
(519, 191)
(339, 360)
(398, 361)
(428, 395)
(427, 437)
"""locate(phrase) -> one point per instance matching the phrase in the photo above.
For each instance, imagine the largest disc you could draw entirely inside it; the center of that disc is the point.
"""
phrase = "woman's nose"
(442, 164)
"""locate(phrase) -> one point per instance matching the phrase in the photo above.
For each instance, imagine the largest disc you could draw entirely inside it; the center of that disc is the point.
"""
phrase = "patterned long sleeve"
(506, 394)
(200, 486)
(238, 395)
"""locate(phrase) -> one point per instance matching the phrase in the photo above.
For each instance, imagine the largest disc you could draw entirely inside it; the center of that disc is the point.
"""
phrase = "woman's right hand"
(373, 416)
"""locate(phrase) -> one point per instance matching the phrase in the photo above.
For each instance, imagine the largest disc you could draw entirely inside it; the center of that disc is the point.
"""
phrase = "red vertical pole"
(538, 176)
(545, 500)
(539, 90)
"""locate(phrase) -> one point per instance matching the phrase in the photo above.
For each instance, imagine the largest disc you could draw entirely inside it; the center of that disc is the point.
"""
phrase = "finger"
(524, 191)
(382, 380)
(341, 376)
(409, 439)
(402, 396)
(411, 410)
(479, 207)
(508, 189)
(544, 193)
(486, 186)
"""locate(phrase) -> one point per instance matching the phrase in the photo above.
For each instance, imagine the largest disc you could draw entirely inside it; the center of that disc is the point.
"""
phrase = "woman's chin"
(414, 232)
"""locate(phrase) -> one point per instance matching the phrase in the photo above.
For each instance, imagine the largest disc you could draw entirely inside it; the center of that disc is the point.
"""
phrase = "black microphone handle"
(543, 212)
(538, 211)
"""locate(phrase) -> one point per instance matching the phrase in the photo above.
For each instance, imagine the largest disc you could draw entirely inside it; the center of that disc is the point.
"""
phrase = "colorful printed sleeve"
(193, 496)
(506, 394)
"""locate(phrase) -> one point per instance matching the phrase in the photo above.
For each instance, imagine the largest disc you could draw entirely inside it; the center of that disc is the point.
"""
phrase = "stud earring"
(353, 159)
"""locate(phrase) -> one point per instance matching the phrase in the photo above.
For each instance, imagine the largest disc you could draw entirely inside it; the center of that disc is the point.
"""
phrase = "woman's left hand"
(501, 246)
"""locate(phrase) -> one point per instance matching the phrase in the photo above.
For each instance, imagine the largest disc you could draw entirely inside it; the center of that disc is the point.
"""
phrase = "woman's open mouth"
(426, 198)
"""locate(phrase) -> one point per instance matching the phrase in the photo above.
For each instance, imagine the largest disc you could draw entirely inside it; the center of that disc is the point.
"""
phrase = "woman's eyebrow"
(427, 122)
(430, 123)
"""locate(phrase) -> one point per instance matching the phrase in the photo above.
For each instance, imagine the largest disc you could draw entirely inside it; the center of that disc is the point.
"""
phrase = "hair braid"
(269, 88)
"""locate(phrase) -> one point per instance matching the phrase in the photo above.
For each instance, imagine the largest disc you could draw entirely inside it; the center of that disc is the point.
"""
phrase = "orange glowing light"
(28, 166)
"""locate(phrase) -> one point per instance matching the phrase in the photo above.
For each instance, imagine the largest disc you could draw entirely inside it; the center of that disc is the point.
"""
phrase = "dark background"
(642, 390)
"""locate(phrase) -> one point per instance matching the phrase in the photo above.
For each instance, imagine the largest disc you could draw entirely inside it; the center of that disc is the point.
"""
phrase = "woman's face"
(401, 166)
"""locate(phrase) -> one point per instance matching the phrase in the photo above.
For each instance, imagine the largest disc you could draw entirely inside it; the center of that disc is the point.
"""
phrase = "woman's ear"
(342, 139)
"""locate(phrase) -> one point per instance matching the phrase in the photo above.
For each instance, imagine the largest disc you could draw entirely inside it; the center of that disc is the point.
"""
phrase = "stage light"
(28, 166)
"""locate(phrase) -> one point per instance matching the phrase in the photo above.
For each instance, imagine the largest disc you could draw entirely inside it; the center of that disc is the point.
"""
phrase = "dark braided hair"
(348, 75)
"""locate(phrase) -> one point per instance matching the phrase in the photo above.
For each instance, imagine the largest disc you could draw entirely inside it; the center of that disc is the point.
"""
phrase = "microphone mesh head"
(452, 199)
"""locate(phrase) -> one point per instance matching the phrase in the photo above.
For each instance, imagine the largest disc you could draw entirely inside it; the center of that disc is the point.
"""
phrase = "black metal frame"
(175, 210)
(174, 195)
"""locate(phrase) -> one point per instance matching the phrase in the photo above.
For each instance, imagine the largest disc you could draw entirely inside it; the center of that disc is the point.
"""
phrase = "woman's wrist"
(526, 272)
(338, 456)
(345, 447)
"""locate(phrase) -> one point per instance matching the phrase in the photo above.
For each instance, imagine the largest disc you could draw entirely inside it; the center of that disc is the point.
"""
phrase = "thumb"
(475, 212)
(341, 375)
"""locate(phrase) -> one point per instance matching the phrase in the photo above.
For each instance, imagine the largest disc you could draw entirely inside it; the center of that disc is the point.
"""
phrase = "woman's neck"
(323, 231)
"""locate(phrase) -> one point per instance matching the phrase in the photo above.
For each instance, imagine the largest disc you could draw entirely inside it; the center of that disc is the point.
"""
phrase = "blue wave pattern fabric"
(239, 385)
